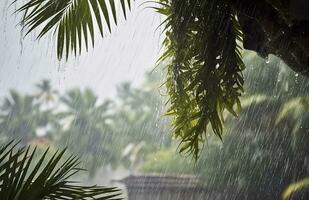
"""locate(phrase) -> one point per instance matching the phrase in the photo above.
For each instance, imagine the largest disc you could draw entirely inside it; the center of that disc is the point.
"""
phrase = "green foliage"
(72, 21)
(168, 161)
(140, 112)
(263, 151)
(86, 122)
(22, 178)
(203, 37)
(20, 116)
(102, 128)
(204, 77)
(46, 92)
(138, 120)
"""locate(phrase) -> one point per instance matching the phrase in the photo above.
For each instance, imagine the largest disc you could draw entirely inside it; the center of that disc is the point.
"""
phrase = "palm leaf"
(22, 178)
(73, 21)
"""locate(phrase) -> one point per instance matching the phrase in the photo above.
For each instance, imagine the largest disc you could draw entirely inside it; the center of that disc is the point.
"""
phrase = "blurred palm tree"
(140, 112)
(138, 120)
(47, 98)
(46, 93)
(86, 122)
(20, 117)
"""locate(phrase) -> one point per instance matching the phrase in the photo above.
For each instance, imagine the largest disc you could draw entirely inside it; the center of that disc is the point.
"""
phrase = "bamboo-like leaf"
(204, 72)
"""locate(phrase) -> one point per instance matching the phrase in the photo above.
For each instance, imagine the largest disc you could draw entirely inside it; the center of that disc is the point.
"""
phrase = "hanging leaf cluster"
(204, 74)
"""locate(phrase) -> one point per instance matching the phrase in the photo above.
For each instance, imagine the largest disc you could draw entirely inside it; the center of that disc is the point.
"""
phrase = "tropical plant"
(138, 121)
(139, 112)
(276, 150)
(46, 92)
(72, 21)
(79, 116)
(168, 161)
(22, 178)
(204, 75)
(266, 148)
(86, 122)
(20, 117)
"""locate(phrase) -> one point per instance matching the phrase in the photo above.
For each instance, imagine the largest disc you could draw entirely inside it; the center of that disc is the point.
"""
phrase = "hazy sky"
(126, 54)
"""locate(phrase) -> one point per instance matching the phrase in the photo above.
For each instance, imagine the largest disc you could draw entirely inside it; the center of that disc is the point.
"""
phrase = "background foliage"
(261, 152)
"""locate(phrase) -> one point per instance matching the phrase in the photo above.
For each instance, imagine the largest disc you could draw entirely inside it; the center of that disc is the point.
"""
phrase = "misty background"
(126, 54)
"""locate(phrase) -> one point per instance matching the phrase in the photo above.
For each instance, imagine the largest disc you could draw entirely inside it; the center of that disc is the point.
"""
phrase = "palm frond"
(204, 77)
(22, 178)
(73, 21)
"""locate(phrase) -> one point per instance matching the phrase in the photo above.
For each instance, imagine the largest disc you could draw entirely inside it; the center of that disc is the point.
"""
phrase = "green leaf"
(204, 70)
(69, 19)
(44, 181)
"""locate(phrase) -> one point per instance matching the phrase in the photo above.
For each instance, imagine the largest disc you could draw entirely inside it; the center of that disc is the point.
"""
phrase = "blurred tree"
(140, 113)
(86, 123)
(20, 117)
(107, 132)
(138, 118)
(167, 161)
(46, 93)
